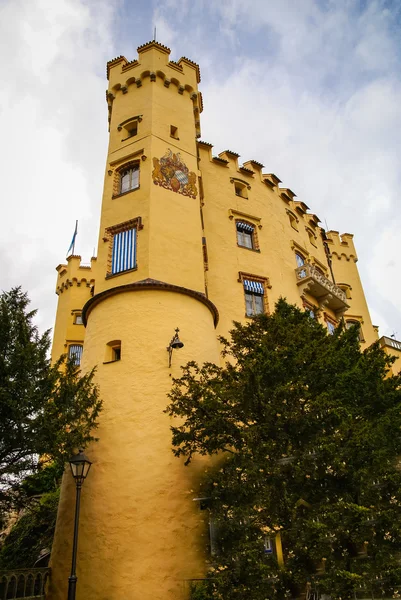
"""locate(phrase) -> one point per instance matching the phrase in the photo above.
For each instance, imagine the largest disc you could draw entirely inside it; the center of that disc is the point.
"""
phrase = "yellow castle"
(187, 240)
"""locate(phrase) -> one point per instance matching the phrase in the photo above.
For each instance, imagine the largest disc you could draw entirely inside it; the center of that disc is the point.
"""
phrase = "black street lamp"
(80, 465)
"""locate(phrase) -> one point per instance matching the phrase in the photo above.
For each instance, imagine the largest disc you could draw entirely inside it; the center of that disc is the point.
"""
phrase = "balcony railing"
(24, 583)
(388, 341)
(327, 293)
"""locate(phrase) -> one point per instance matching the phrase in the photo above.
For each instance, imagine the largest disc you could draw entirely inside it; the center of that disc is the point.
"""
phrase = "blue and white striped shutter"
(75, 352)
(244, 227)
(124, 251)
(255, 287)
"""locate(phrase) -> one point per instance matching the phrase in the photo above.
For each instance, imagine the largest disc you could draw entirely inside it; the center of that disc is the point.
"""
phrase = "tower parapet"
(153, 64)
(341, 246)
(75, 273)
(74, 287)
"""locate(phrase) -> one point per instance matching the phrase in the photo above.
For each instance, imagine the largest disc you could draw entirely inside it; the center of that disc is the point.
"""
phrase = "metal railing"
(23, 583)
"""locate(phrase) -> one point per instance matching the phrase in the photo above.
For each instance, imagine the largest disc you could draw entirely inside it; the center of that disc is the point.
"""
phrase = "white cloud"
(312, 89)
(53, 120)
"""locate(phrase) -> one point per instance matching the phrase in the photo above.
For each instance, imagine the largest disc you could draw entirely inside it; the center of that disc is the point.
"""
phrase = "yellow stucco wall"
(141, 534)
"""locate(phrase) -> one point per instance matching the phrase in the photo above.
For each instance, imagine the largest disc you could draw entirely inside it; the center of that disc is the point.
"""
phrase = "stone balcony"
(327, 293)
(390, 342)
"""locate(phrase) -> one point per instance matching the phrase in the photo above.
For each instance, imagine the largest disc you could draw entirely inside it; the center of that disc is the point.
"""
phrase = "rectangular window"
(245, 235)
(240, 190)
(123, 256)
(75, 353)
(133, 130)
(78, 320)
(254, 292)
(174, 132)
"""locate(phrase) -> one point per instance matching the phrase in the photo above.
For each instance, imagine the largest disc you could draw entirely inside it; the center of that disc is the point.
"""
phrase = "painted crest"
(172, 173)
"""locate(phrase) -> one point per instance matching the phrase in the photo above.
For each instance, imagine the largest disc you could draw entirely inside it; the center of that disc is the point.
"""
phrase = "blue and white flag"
(72, 245)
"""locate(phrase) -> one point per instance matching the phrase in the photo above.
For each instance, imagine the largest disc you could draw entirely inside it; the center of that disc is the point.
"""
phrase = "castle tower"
(181, 232)
(140, 531)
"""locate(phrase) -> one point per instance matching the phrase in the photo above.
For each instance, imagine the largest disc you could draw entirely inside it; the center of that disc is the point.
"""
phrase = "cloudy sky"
(311, 88)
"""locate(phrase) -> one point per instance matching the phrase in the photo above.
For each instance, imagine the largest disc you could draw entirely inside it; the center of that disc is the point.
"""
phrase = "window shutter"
(124, 251)
(75, 352)
(244, 227)
(255, 287)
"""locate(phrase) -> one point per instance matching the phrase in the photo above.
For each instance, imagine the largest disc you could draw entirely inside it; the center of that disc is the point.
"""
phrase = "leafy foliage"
(46, 412)
(32, 533)
(307, 429)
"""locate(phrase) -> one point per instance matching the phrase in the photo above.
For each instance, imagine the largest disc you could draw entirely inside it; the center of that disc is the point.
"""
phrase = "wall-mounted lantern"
(174, 343)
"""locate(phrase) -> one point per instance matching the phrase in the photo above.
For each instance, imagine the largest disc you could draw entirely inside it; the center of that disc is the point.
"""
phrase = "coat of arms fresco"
(172, 173)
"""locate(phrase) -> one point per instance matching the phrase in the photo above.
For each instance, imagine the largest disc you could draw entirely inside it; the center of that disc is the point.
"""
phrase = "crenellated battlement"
(153, 64)
(253, 170)
(74, 273)
(341, 246)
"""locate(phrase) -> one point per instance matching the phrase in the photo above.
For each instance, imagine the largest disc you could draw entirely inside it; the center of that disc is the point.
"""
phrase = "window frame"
(110, 233)
(71, 355)
(241, 187)
(350, 322)
(133, 178)
(312, 310)
(78, 319)
(298, 254)
(294, 221)
(132, 166)
(240, 228)
(251, 296)
(346, 288)
(113, 352)
(330, 324)
(264, 282)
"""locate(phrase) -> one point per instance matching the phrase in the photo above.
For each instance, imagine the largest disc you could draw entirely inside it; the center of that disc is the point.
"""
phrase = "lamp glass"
(80, 466)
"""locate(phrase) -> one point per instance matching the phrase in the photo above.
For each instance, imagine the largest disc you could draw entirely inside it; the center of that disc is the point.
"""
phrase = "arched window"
(113, 351)
(354, 323)
(346, 289)
(129, 178)
(300, 259)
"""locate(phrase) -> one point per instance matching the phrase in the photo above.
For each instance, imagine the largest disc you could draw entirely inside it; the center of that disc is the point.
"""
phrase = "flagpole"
(75, 237)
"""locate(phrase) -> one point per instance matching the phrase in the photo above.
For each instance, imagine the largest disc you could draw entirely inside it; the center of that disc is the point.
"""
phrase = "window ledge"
(129, 137)
(111, 275)
(125, 193)
(108, 362)
(251, 249)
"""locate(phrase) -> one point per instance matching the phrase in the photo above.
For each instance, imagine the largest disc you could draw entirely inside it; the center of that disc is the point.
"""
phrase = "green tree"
(307, 432)
(46, 412)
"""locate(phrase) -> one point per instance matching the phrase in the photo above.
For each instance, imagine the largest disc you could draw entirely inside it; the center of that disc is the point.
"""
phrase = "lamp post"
(80, 465)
